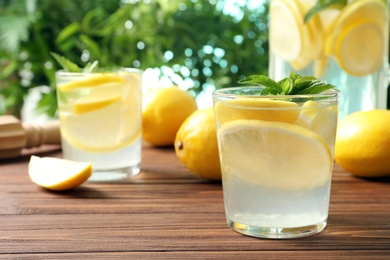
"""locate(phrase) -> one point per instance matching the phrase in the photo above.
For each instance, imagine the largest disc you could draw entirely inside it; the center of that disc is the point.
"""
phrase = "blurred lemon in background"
(164, 110)
(196, 145)
(363, 143)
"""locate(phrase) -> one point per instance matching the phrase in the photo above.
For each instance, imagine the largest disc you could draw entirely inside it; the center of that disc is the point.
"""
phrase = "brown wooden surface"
(165, 212)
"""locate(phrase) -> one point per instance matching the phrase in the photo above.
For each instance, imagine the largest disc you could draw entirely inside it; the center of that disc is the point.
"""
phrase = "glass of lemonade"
(347, 45)
(100, 121)
(276, 157)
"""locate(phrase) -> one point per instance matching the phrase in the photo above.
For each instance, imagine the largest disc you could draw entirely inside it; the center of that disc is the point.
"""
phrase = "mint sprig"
(70, 66)
(295, 84)
(322, 5)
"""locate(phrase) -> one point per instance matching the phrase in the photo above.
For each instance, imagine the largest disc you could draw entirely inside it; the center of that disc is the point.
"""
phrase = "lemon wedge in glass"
(58, 174)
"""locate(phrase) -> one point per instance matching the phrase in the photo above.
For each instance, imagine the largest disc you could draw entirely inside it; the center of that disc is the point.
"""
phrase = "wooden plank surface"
(166, 212)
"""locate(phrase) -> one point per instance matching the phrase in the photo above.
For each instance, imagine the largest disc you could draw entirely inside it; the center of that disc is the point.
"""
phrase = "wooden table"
(165, 212)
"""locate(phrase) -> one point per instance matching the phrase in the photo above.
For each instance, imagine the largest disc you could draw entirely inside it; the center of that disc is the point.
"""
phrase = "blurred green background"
(199, 45)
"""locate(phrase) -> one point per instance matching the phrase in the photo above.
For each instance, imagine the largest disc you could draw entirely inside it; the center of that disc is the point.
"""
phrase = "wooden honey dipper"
(15, 135)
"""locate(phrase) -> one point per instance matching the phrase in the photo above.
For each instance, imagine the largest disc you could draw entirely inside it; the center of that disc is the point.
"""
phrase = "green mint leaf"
(90, 67)
(294, 84)
(271, 86)
(65, 63)
(322, 5)
(317, 89)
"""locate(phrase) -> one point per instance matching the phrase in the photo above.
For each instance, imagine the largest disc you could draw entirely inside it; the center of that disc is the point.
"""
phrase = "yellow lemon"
(274, 154)
(58, 174)
(196, 145)
(363, 143)
(253, 108)
(164, 110)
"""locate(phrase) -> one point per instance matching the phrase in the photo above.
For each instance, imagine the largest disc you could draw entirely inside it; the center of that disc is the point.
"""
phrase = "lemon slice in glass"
(253, 108)
(274, 154)
(358, 37)
(58, 174)
(315, 116)
(286, 35)
(108, 118)
(98, 98)
(93, 81)
(360, 48)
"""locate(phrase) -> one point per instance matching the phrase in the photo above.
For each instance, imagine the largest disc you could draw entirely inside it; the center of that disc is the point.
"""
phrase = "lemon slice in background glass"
(360, 24)
(274, 154)
(98, 98)
(93, 81)
(58, 174)
(360, 48)
(286, 35)
(314, 117)
(106, 119)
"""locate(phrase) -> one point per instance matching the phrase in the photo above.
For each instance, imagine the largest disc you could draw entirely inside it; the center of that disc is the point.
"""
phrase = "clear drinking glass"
(347, 46)
(100, 121)
(276, 156)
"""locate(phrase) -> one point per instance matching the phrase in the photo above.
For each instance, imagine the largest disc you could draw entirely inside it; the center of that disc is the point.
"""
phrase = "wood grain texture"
(165, 212)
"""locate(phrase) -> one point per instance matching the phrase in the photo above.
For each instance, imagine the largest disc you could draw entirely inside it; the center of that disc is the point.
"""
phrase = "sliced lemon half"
(274, 154)
(58, 174)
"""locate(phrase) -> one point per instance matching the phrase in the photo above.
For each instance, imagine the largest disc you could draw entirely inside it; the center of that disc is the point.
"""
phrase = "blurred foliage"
(195, 43)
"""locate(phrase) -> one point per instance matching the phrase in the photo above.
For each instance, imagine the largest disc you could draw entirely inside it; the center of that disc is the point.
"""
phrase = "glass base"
(276, 233)
(111, 175)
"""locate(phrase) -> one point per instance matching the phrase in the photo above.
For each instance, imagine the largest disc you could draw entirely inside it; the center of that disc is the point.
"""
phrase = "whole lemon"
(363, 143)
(196, 145)
(164, 110)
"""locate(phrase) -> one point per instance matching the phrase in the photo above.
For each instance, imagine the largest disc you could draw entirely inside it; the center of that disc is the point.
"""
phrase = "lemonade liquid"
(101, 121)
(342, 34)
(258, 209)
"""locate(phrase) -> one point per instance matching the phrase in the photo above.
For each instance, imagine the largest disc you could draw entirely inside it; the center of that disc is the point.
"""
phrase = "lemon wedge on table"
(58, 174)
(274, 154)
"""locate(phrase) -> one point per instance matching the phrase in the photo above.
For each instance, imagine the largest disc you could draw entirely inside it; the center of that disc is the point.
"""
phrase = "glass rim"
(224, 93)
(62, 72)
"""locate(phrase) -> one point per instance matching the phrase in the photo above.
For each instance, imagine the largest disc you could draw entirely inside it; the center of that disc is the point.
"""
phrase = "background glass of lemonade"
(345, 45)
(100, 120)
(276, 157)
